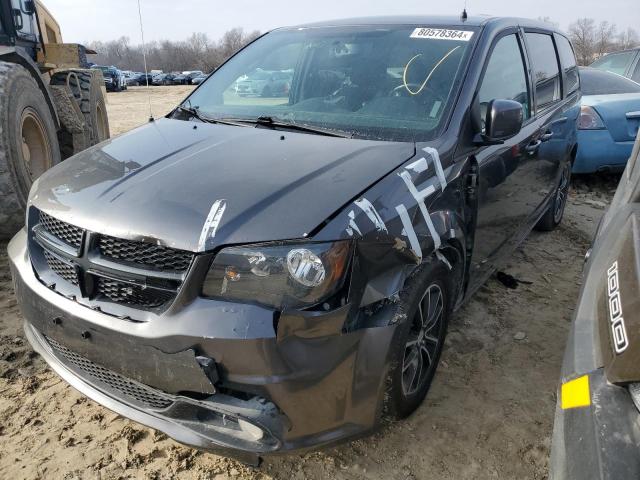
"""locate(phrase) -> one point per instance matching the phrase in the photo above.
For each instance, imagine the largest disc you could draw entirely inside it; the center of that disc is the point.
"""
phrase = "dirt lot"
(489, 413)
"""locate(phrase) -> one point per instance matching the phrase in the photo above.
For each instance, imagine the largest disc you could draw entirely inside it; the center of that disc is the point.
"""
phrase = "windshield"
(388, 83)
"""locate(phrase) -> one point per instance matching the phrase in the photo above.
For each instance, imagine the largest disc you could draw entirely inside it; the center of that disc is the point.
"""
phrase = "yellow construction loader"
(52, 105)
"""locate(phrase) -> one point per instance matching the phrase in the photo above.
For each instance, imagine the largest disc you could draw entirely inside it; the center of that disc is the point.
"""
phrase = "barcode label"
(442, 34)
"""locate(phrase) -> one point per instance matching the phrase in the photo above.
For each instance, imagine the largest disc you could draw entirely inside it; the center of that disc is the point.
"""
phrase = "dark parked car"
(197, 80)
(595, 434)
(257, 275)
(114, 80)
(179, 79)
(625, 63)
(163, 79)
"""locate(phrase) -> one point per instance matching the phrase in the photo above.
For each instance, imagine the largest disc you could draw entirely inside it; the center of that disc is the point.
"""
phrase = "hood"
(172, 181)
(619, 112)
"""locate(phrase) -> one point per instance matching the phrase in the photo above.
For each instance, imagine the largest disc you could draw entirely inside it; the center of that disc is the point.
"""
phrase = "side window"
(546, 72)
(568, 60)
(23, 20)
(505, 76)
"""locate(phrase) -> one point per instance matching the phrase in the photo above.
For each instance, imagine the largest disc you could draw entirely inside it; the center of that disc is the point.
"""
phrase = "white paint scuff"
(211, 223)
(367, 207)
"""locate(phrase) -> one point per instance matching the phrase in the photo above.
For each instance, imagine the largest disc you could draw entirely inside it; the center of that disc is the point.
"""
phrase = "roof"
(433, 20)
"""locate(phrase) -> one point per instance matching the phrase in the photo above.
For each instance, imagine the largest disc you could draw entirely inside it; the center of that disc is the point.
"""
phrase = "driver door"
(506, 172)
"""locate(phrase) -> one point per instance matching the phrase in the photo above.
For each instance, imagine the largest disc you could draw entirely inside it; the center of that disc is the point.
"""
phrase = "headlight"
(280, 276)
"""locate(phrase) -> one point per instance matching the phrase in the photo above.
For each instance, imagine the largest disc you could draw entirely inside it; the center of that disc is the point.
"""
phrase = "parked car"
(609, 120)
(143, 78)
(300, 304)
(199, 79)
(595, 433)
(625, 63)
(130, 78)
(180, 79)
(114, 80)
(163, 79)
(264, 83)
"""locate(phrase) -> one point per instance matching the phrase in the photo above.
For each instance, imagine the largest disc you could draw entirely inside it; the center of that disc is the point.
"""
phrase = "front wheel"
(419, 340)
(553, 216)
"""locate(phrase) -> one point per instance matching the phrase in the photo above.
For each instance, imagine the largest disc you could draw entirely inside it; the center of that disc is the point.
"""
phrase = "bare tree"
(591, 40)
(198, 52)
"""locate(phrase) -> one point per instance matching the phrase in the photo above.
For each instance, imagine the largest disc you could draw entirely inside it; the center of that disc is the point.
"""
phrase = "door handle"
(533, 146)
(546, 137)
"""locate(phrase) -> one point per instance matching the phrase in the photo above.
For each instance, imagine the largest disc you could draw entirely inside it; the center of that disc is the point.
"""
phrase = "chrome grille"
(65, 270)
(69, 234)
(131, 294)
(145, 254)
(138, 392)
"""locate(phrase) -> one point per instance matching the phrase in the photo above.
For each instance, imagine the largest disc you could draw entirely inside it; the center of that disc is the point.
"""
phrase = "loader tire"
(85, 86)
(28, 143)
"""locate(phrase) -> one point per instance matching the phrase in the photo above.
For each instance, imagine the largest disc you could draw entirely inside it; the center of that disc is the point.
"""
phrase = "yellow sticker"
(575, 393)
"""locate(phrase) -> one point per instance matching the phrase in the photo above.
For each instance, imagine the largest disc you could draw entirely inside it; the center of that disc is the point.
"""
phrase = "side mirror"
(503, 120)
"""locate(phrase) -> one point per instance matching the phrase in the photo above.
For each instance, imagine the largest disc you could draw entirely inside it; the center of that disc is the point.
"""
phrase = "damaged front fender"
(411, 215)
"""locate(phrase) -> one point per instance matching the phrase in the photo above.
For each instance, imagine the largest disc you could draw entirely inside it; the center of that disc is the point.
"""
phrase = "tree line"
(590, 40)
(198, 52)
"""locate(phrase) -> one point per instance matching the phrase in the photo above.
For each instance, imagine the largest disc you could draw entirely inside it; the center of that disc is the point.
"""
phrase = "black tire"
(553, 216)
(86, 87)
(23, 109)
(404, 395)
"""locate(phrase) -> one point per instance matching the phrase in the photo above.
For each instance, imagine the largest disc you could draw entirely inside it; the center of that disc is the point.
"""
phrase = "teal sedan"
(608, 122)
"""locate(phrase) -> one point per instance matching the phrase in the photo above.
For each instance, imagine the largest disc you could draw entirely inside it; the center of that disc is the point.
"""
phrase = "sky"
(88, 20)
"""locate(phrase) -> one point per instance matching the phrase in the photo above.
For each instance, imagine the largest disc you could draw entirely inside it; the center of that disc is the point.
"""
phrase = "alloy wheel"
(424, 340)
(562, 193)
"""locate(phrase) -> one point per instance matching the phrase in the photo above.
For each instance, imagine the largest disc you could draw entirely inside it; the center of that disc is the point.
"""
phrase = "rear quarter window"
(569, 66)
(598, 82)
(615, 62)
(546, 72)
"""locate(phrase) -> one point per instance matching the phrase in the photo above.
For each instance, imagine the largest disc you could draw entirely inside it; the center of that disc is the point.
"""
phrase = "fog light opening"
(255, 432)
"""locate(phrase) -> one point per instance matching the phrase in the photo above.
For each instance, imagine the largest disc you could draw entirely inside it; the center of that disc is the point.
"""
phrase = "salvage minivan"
(261, 274)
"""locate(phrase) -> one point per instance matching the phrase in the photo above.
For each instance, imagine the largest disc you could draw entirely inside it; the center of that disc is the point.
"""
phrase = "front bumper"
(305, 383)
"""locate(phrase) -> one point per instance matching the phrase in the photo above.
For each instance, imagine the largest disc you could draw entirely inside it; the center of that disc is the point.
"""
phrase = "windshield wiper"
(195, 113)
(274, 123)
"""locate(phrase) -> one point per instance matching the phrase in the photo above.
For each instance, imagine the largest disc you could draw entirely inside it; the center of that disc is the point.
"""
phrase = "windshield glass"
(388, 83)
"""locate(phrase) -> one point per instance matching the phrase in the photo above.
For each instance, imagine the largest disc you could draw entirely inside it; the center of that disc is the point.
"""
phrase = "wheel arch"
(18, 56)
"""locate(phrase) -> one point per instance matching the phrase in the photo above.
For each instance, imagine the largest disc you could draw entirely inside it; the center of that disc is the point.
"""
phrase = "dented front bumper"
(227, 377)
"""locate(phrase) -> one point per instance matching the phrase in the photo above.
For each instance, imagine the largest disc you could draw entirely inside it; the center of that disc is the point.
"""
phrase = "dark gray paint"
(158, 183)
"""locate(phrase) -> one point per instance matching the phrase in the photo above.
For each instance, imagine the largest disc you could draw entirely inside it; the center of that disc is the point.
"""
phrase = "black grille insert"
(131, 294)
(138, 392)
(63, 269)
(69, 234)
(145, 254)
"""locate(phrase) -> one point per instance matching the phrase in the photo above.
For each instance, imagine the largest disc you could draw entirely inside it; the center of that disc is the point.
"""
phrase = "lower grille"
(133, 295)
(66, 271)
(141, 394)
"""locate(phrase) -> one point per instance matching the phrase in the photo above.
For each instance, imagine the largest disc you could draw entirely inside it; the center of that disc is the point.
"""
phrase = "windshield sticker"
(442, 34)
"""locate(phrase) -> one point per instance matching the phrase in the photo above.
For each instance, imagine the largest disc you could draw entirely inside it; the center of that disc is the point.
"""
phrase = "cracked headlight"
(282, 276)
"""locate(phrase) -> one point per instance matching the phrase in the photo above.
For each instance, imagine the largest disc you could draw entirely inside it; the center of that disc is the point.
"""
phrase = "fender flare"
(18, 56)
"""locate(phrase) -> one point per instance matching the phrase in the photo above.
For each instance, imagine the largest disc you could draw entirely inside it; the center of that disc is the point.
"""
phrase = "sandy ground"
(489, 413)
